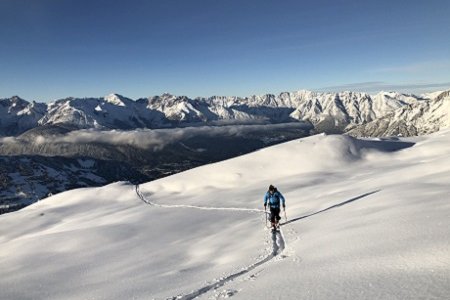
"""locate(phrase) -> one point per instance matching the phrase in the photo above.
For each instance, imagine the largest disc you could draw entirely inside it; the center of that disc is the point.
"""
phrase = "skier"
(273, 196)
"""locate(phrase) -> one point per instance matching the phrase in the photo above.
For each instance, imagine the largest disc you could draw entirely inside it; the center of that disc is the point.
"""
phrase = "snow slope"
(367, 219)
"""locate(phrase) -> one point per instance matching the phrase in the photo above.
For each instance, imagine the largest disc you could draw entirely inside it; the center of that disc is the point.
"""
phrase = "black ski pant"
(274, 214)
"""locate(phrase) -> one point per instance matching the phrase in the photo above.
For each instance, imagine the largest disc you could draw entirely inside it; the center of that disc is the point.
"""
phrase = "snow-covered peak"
(167, 95)
(18, 115)
(14, 103)
(117, 99)
(16, 99)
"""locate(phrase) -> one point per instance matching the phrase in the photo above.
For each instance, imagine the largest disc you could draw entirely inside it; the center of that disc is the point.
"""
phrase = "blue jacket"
(274, 199)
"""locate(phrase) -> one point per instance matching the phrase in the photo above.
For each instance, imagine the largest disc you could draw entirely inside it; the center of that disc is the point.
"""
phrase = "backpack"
(275, 196)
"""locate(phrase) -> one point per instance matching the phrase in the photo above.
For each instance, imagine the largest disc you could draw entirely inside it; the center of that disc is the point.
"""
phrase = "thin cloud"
(145, 138)
(415, 68)
(377, 86)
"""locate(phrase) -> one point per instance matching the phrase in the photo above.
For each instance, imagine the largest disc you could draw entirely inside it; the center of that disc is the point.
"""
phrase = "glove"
(265, 205)
(284, 206)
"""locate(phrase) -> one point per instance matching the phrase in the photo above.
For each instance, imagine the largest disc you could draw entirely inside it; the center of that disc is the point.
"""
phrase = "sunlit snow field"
(366, 219)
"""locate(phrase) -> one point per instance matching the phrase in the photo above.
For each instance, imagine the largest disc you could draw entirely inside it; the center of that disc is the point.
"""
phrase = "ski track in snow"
(278, 246)
(141, 196)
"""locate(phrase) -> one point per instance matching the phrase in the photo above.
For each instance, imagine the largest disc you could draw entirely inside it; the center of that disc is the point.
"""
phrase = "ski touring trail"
(277, 238)
(141, 196)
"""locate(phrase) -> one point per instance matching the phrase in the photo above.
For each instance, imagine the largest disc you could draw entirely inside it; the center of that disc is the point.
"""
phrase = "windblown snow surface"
(366, 219)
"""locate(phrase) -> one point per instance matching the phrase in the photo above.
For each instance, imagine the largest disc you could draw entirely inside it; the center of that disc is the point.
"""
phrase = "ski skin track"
(142, 197)
(277, 247)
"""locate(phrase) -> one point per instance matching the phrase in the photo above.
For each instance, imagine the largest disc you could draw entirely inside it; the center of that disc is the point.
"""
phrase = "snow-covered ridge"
(328, 112)
(416, 118)
(18, 115)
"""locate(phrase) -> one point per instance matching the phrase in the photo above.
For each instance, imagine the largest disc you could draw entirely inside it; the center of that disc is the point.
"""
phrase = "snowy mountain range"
(327, 112)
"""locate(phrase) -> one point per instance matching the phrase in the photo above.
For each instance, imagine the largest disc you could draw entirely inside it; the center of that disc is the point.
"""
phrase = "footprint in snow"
(253, 276)
(225, 294)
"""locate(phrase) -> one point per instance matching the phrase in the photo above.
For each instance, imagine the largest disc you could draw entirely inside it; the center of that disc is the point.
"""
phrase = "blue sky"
(52, 49)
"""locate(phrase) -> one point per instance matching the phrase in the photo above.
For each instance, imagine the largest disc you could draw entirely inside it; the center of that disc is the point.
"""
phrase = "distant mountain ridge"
(327, 112)
(414, 119)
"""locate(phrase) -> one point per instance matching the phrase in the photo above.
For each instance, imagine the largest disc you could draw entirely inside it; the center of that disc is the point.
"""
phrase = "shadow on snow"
(331, 207)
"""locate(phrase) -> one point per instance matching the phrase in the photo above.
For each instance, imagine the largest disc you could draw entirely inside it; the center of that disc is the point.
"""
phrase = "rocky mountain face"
(327, 112)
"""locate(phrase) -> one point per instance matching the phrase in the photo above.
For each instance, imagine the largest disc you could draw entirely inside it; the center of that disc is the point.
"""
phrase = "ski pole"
(265, 213)
(284, 209)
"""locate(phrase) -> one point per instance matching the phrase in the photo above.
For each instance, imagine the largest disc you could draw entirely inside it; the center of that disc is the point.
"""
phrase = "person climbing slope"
(273, 197)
